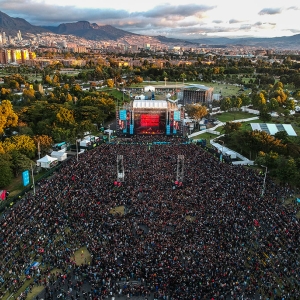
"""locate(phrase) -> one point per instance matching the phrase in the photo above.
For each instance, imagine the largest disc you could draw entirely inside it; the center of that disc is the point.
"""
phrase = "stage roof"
(198, 87)
(162, 104)
(273, 128)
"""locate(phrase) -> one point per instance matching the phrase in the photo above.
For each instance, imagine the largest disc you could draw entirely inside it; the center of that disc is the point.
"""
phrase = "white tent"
(149, 88)
(46, 162)
(60, 155)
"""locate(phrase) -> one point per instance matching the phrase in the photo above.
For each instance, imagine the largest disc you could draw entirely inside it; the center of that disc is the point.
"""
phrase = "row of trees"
(264, 101)
(38, 120)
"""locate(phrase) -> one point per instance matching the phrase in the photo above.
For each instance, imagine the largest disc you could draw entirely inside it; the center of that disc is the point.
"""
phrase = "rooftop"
(162, 104)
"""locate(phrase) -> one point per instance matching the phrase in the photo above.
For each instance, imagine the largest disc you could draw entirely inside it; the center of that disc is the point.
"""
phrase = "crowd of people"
(212, 237)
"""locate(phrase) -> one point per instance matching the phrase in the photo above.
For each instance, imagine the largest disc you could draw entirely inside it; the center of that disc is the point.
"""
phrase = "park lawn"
(118, 94)
(15, 187)
(117, 210)
(82, 256)
(234, 115)
(205, 136)
(35, 291)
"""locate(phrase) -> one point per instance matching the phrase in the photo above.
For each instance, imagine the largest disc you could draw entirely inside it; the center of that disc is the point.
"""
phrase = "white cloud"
(175, 18)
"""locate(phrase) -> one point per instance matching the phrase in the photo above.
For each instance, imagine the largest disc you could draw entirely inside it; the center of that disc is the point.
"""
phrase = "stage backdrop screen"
(150, 123)
(150, 120)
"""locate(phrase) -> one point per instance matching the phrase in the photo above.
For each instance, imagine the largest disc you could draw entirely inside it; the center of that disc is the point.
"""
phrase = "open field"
(226, 90)
(82, 256)
(117, 210)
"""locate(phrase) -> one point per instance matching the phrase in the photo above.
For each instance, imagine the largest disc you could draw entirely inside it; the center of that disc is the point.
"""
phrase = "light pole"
(222, 144)
(108, 126)
(264, 183)
(77, 149)
(33, 183)
(221, 155)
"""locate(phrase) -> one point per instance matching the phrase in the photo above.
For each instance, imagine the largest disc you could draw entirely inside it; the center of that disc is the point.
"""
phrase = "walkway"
(221, 148)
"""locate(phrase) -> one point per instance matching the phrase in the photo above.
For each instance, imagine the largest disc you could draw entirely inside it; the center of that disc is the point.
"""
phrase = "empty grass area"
(82, 256)
(35, 291)
(231, 116)
(117, 210)
(190, 218)
(206, 136)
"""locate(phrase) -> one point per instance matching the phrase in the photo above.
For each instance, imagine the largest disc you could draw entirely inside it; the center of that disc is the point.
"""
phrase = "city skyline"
(175, 19)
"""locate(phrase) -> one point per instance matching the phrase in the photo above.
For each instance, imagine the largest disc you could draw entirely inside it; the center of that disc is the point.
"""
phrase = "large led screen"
(150, 123)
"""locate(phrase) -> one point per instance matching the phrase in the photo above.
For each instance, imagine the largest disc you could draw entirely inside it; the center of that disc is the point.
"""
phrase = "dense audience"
(213, 237)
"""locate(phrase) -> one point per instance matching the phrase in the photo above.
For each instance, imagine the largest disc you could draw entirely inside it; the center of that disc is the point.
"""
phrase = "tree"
(5, 93)
(29, 94)
(280, 96)
(286, 169)
(110, 83)
(225, 104)
(43, 143)
(183, 77)
(230, 127)
(236, 102)
(19, 162)
(196, 111)
(245, 99)
(23, 143)
(138, 79)
(65, 116)
(14, 85)
(258, 100)
(47, 80)
(264, 113)
(297, 95)
(8, 118)
(273, 104)
(6, 174)
(290, 104)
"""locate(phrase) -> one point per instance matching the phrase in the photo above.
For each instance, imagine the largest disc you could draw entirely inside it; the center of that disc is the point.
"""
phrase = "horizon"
(210, 19)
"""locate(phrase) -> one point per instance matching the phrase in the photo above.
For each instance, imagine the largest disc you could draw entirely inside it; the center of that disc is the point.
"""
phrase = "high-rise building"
(10, 40)
(19, 36)
(3, 38)
(24, 55)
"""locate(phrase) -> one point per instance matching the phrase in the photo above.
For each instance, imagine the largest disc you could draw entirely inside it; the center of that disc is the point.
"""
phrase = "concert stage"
(150, 117)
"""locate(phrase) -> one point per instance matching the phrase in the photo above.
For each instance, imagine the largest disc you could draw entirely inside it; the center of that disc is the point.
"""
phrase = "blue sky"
(176, 18)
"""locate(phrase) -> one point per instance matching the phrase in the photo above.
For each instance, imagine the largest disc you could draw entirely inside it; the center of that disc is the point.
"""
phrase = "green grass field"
(226, 90)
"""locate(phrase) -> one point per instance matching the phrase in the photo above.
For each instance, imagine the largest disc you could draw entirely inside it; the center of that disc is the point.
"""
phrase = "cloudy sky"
(174, 18)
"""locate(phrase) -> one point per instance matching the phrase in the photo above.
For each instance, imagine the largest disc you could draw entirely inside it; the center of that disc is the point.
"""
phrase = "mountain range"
(93, 31)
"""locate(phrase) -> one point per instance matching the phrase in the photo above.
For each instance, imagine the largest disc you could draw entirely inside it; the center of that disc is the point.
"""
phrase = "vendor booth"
(60, 155)
(47, 162)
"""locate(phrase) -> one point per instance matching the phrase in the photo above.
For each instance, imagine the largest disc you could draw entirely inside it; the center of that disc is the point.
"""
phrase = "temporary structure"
(2, 194)
(60, 155)
(47, 162)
